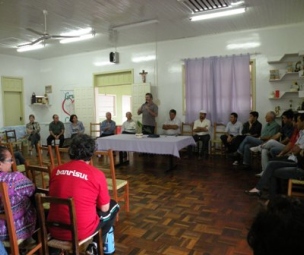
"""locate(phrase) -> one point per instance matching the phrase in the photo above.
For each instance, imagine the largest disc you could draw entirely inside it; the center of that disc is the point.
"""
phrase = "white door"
(139, 91)
(85, 106)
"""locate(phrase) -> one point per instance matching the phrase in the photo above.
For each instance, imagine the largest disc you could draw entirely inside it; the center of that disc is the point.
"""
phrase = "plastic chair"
(7, 215)
(115, 184)
(47, 240)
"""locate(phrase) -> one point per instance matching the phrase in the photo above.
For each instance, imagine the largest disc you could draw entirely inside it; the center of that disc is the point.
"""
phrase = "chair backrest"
(109, 156)
(94, 129)
(48, 149)
(295, 188)
(42, 202)
(11, 135)
(187, 129)
(44, 172)
(58, 152)
(218, 130)
(7, 216)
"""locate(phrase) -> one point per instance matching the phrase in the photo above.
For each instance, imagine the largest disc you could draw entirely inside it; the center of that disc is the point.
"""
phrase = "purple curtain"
(219, 85)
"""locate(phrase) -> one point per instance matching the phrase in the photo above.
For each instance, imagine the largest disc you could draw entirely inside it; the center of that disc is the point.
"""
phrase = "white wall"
(164, 73)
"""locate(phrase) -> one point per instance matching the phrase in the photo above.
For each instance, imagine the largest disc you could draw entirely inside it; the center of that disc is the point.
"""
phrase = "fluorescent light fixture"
(249, 45)
(218, 14)
(104, 63)
(76, 39)
(138, 24)
(143, 58)
(79, 32)
(30, 47)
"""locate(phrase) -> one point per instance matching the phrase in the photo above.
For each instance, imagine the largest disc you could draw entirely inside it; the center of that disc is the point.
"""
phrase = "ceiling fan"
(45, 35)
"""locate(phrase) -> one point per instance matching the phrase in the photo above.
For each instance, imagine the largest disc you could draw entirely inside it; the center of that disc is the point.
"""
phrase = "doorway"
(12, 94)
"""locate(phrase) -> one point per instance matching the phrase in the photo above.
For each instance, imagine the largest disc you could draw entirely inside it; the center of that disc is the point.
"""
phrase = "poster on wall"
(67, 104)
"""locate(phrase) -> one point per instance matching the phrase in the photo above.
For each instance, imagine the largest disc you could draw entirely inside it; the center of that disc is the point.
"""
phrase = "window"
(104, 104)
(126, 106)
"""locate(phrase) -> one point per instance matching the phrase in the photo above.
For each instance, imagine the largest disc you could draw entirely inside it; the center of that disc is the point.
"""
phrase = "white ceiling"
(65, 15)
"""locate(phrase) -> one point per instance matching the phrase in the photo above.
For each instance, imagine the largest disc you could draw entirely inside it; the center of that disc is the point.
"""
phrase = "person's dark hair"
(3, 149)
(288, 114)
(295, 117)
(72, 116)
(82, 147)
(279, 229)
(32, 115)
(173, 111)
(149, 94)
(255, 114)
(54, 115)
(234, 114)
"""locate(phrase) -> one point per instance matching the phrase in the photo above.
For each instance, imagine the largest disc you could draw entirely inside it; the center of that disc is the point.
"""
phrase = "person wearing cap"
(201, 129)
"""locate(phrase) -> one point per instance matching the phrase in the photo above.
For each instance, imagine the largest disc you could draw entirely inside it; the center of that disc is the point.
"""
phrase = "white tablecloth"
(167, 145)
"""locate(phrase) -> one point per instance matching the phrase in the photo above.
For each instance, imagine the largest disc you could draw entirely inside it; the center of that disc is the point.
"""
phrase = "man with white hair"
(201, 129)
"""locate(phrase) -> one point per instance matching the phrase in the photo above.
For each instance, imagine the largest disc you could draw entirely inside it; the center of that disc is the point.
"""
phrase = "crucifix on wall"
(143, 76)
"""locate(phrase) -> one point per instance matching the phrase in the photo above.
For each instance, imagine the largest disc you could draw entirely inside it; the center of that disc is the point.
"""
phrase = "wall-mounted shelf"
(284, 59)
(40, 104)
(282, 93)
(295, 74)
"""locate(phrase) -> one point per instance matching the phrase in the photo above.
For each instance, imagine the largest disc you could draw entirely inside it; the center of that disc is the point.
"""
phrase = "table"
(164, 145)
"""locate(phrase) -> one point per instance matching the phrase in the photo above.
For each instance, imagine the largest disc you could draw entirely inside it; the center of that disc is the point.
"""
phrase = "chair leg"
(127, 202)
(99, 242)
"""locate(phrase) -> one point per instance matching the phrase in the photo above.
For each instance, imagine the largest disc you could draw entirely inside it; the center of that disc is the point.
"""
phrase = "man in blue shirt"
(107, 127)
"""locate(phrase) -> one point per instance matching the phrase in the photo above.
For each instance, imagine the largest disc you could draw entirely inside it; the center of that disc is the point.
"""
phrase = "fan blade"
(34, 31)
(32, 43)
(64, 36)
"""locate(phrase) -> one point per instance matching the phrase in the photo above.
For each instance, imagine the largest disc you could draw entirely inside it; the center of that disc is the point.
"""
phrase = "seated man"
(172, 125)
(250, 128)
(107, 127)
(271, 128)
(129, 126)
(233, 128)
(273, 147)
(56, 129)
(201, 127)
(88, 186)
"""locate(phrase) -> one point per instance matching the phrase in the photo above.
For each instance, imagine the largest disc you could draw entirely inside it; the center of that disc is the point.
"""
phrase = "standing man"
(107, 127)
(87, 185)
(233, 128)
(149, 112)
(129, 126)
(56, 129)
(172, 125)
(201, 128)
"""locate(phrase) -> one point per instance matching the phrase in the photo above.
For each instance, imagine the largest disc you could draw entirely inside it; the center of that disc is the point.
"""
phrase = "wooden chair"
(295, 188)
(115, 184)
(11, 136)
(47, 240)
(49, 151)
(216, 144)
(33, 171)
(187, 129)
(7, 215)
(58, 152)
(94, 129)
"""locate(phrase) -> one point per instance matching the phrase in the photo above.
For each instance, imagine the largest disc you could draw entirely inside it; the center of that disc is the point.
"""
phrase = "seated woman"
(33, 129)
(20, 190)
(76, 127)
